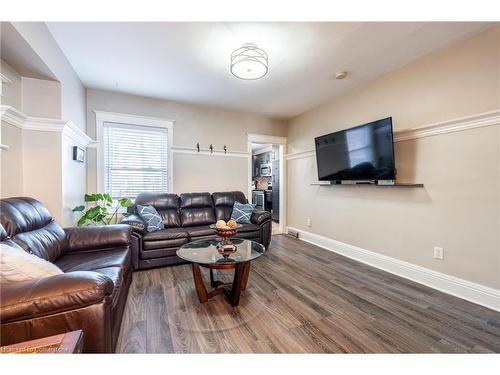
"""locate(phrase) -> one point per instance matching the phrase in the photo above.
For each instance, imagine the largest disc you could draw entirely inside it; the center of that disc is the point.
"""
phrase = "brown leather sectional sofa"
(187, 217)
(90, 295)
(98, 261)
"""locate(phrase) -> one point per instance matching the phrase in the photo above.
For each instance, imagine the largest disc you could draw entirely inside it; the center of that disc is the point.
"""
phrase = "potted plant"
(103, 209)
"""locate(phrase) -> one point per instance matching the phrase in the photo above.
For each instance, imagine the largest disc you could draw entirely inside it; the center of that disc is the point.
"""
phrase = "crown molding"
(125, 118)
(12, 116)
(4, 78)
(480, 120)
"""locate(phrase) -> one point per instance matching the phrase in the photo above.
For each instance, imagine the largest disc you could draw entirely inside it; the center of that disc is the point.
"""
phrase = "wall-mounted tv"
(362, 153)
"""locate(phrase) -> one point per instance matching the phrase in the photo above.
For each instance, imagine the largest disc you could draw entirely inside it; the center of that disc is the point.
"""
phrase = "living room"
(139, 161)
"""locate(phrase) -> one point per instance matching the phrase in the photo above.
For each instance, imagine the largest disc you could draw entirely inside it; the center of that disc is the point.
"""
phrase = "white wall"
(11, 177)
(38, 36)
(41, 98)
(459, 207)
(39, 163)
(74, 175)
(192, 124)
(11, 161)
(11, 92)
(42, 169)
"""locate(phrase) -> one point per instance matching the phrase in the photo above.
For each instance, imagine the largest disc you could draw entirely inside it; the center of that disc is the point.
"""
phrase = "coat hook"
(198, 147)
(225, 149)
(211, 148)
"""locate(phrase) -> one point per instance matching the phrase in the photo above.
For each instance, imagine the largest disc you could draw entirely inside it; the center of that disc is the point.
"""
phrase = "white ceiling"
(189, 62)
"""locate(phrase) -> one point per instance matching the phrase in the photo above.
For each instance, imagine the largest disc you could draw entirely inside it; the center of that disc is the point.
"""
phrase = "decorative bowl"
(226, 233)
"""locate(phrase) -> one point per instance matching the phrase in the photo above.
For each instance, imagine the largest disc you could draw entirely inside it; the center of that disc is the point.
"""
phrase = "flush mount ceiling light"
(249, 62)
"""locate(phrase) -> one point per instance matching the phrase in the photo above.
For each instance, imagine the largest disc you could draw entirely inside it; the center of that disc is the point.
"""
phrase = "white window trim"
(122, 118)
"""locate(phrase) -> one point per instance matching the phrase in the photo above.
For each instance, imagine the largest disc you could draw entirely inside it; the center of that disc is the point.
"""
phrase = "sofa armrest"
(259, 217)
(136, 223)
(68, 291)
(86, 238)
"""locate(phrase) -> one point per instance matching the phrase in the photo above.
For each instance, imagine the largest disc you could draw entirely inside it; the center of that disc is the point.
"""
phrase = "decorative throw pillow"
(18, 265)
(242, 212)
(151, 218)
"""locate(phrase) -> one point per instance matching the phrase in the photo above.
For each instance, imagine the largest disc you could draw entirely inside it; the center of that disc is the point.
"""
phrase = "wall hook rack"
(198, 147)
(225, 149)
(211, 148)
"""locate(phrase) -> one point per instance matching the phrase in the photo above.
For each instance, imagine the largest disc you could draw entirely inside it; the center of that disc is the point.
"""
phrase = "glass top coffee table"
(212, 255)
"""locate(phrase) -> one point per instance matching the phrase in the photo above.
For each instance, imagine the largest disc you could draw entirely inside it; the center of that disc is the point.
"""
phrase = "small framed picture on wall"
(78, 154)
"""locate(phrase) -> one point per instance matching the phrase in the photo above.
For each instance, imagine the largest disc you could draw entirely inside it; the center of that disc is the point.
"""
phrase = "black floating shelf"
(397, 184)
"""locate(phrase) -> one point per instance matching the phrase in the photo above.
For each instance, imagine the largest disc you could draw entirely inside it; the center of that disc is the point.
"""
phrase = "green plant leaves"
(99, 213)
(93, 197)
(93, 212)
(125, 202)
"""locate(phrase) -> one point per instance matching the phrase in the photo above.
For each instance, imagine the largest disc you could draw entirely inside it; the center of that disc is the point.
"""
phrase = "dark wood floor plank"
(303, 299)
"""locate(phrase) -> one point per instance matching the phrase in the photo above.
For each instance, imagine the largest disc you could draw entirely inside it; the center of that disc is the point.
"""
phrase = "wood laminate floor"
(303, 299)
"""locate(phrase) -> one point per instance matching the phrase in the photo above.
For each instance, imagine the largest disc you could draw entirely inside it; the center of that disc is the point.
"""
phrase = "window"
(134, 155)
(359, 144)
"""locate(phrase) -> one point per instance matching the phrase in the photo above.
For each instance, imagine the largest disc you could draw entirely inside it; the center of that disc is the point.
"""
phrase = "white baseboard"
(455, 286)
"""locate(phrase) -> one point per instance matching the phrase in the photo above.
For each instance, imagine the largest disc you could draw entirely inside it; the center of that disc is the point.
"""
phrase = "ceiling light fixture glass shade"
(249, 62)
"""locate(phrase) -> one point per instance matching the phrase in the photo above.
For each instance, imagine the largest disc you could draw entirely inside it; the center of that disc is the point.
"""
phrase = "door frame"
(282, 142)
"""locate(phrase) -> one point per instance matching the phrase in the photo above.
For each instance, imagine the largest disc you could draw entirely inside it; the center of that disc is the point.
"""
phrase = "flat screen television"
(362, 153)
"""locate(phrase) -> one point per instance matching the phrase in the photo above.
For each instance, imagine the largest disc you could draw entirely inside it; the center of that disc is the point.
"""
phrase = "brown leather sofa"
(90, 295)
(187, 218)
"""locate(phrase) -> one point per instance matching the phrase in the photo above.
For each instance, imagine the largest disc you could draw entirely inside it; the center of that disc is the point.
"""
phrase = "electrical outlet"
(308, 222)
(438, 252)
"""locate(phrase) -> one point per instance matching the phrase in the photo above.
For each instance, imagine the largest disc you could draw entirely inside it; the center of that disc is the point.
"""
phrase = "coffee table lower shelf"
(241, 273)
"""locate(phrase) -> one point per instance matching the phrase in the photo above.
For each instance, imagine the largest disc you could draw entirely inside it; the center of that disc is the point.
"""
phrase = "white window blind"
(135, 159)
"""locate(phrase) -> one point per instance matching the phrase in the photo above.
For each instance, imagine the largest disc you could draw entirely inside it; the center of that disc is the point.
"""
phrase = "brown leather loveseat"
(187, 217)
(89, 295)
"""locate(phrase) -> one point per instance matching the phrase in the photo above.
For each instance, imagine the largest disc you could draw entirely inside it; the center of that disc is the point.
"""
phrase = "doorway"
(266, 177)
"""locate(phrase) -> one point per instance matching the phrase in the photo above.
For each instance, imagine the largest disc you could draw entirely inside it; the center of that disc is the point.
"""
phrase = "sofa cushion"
(48, 242)
(248, 228)
(242, 213)
(201, 230)
(23, 215)
(32, 227)
(5, 239)
(196, 200)
(166, 234)
(94, 260)
(254, 236)
(151, 218)
(160, 252)
(209, 237)
(196, 209)
(175, 242)
(113, 263)
(224, 201)
(166, 204)
(17, 265)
